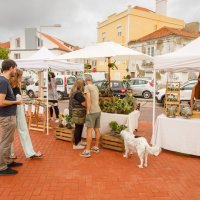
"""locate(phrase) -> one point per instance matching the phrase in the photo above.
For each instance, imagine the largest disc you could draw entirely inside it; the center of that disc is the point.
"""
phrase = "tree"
(4, 53)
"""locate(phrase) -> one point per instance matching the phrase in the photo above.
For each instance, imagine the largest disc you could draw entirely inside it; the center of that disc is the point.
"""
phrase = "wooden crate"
(64, 134)
(109, 141)
(196, 114)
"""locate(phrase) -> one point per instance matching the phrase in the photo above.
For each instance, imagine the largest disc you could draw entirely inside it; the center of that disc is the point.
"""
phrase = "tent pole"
(108, 73)
(154, 103)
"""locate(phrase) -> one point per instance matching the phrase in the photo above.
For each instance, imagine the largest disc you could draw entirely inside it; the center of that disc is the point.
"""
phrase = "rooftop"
(166, 31)
(5, 44)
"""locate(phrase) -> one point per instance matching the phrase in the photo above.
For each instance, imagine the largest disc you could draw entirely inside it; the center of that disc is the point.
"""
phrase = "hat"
(88, 77)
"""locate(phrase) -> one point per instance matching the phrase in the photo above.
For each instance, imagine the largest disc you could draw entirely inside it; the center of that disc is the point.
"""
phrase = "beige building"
(132, 24)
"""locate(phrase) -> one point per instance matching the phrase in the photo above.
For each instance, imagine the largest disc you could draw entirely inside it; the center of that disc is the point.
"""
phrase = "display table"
(177, 134)
(131, 121)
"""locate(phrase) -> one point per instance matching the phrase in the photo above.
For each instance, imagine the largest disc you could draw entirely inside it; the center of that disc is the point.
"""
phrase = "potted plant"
(116, 128)
(65, 121)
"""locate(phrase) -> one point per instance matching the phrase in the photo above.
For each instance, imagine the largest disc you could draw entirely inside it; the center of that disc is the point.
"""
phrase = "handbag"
(78, 115)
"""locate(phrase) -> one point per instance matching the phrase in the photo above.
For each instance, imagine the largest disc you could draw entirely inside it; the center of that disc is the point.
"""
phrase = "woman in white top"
(52, 95)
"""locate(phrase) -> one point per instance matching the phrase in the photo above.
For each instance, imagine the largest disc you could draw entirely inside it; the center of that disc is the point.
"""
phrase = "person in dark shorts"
(92, 121)
(8, 106)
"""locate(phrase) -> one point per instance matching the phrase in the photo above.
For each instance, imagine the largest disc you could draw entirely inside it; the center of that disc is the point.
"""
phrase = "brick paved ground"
(63, 174)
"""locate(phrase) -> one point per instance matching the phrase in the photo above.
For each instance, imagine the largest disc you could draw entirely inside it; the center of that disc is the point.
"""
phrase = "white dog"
(139, 144)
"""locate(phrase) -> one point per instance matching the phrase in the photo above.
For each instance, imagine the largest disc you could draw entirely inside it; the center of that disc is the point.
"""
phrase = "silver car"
(142, 87)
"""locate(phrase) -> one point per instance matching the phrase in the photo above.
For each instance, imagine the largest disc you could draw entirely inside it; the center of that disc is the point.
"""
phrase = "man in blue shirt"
(8, 106)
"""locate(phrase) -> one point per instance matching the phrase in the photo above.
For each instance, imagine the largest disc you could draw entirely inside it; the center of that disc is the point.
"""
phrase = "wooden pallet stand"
(109, 141)
(64, 134)
(196, 114)
(172, 90)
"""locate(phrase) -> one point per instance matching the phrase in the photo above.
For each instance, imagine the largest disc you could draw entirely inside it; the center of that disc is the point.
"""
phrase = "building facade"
(162, 41)
(26, 43)
(130, 25)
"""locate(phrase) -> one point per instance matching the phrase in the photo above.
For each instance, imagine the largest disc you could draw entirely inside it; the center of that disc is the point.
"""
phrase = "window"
(139, 82)
(119, 31)
(94, 63)
(104, 36)
(70, 80)
(115, 84)
(39, 42)
(17, 56)
(59, 81)
(189, 86)
(151, 51)
(17, 43)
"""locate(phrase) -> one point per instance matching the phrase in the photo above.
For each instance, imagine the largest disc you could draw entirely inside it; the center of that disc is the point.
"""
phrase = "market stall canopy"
(105, 50)
(39, 61)
(183, 60)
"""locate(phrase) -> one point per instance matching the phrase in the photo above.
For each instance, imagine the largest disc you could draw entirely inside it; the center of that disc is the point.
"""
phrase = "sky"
(78, 18)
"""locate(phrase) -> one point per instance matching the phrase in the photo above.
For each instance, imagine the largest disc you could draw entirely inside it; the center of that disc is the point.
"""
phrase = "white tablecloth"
(177, 134)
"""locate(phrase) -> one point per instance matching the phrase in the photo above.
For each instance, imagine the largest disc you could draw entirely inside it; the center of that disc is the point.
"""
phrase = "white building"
(162, 41)
(26, 43)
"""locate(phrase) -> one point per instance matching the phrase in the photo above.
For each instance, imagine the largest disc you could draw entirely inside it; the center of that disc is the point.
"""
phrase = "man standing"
(8, 105)
(92, 121)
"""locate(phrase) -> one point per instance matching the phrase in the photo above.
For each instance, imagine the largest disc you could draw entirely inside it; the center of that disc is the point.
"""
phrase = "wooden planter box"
(64, 134)
(196, 114)
(109, 141)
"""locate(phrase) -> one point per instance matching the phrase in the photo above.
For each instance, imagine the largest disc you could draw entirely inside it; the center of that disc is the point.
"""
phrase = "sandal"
(37, 155)
(13, 156)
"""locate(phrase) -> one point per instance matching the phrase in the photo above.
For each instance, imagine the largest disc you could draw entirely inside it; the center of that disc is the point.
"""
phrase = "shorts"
(92, 120)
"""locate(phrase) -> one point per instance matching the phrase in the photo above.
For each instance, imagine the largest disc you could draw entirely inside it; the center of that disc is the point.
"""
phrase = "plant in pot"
(116, 128)
(65, 121)
(68, 119)
(112, 65)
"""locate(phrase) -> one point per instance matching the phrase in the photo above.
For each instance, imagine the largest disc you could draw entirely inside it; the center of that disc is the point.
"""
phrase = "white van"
(64, 85)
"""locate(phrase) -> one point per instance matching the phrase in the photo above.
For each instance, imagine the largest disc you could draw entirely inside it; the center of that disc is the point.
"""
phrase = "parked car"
(32, 90)
(116, 86)
(185, 92)
(142, 87)
(64, 85)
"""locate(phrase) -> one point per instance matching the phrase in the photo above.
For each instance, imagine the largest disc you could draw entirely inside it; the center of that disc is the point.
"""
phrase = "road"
(146, 108)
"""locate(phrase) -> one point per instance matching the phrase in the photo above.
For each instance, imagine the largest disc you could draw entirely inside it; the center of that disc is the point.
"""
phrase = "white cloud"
(78, 17)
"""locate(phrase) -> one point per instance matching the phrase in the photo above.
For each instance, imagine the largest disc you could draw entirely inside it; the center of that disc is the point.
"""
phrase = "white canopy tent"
(185, 59)
(39, 61)
(104, 50)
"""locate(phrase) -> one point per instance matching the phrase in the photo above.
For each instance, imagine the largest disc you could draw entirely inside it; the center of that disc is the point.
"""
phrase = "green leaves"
(4, 53)
(116, 128)
(112, 65)
(115, 105)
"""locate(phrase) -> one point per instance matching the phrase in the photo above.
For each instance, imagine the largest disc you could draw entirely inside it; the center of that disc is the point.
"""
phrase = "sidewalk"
(63, 175)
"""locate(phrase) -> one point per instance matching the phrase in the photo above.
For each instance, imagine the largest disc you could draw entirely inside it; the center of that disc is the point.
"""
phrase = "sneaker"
(85, 154)
(8, 172)
(95, 149)
(15, 164)
(57, 120)
(82, 143)
(78, 146)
